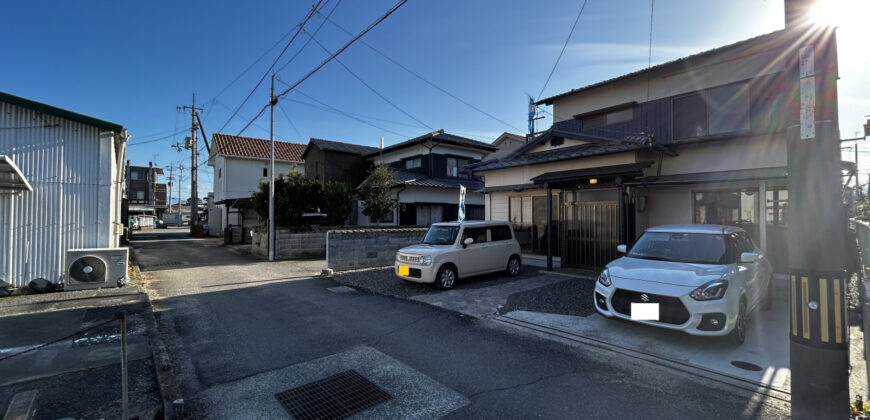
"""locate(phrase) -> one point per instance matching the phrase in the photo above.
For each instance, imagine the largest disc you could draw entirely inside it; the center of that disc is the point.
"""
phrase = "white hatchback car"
(460, 249)
(700, 279)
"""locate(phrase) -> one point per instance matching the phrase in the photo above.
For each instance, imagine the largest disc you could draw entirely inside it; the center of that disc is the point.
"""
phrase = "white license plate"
(645, 311)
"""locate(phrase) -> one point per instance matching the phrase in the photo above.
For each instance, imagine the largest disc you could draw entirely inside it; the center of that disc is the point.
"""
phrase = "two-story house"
(429, 171)
(701, 139)
(145, 195)
(328, 160)
(240, 164)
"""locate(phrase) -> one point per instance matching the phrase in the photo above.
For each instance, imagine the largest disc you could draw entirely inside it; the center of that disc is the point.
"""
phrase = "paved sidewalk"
(78, 376)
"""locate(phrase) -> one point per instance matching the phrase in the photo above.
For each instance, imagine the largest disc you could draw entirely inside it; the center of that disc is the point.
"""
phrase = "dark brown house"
(327, 160)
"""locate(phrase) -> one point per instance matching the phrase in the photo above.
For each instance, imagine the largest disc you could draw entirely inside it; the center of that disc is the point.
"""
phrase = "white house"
(61, 185)
(429, 170)
(240, 164)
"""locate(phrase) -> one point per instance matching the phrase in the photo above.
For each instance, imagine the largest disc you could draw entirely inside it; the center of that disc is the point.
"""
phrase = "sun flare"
(838, 12)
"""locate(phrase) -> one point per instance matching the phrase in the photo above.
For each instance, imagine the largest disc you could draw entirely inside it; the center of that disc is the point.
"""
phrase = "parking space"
(562, 304)
(762, 359)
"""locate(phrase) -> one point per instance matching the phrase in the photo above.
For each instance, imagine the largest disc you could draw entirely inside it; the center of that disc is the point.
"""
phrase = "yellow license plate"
(404, 270)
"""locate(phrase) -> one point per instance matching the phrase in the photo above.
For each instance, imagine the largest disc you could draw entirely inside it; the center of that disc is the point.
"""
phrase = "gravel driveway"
(570, 297)
(383, 282)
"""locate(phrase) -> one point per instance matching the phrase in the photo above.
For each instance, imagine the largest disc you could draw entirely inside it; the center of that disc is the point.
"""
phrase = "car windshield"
(698, 248)
(441, 235)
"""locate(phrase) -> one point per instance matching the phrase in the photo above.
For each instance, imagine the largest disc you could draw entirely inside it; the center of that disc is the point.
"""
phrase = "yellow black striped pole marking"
(838, 334)
(805, 293)
(823, 308)
(793, 306)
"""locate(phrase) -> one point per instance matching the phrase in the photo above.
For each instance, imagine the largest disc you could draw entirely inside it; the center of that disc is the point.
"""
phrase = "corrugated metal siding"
(71, 189)
(654, 115)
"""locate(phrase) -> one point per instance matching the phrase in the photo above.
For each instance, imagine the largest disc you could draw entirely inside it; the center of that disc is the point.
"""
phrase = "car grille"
(415, 273)
(671, 309)
(411, 259)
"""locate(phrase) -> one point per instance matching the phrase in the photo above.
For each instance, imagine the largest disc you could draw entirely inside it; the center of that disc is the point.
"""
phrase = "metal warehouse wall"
(70, 167)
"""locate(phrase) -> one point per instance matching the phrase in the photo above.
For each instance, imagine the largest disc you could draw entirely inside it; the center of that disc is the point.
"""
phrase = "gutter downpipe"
(549, 227)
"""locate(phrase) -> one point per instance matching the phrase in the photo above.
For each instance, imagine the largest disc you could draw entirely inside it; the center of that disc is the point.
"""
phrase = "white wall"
(524, 174)
(714, 71)
(416, 150)
(241, 177)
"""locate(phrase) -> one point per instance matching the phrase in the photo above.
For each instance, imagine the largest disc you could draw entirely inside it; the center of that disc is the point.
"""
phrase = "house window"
(140, 195)
(220, 171)
(454, 165)
(557, 141)
(265, 172)
(413, 163)
(716, 111)
(607, 118)
(734, 207)
(776, 207)
(135, 175)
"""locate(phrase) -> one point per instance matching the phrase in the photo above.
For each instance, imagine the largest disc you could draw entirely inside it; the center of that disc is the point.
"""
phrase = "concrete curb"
(160, 355)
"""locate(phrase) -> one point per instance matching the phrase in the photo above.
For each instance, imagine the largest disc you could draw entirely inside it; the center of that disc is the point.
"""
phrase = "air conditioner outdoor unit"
(95, 268)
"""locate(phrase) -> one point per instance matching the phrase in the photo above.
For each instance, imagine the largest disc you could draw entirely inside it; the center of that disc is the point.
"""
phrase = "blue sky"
(134, 62)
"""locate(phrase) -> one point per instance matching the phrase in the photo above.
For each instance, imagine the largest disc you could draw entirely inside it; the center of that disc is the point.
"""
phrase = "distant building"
(144, 194)
(327, 160)
(240, 164)
(61, 186)
(506, 144)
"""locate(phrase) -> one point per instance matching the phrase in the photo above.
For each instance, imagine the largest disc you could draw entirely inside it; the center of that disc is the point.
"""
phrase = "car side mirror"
(467, 242)
(622, 248)
(748, 257)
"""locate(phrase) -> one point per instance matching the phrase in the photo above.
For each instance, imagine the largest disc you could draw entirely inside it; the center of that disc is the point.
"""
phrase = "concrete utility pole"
(193, 163)
(818, 330)
(272, 101)
(169, 190)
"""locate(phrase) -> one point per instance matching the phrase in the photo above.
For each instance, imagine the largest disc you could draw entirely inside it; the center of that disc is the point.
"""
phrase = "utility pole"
(169, 189)
(818, 330)
(193, 163)
(272, 101)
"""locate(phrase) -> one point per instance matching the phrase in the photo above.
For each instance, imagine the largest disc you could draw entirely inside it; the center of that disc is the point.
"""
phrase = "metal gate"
(589, 233)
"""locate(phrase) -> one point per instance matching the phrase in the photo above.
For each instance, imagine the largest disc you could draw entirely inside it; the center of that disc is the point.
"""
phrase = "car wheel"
(768, 299)
(738, 334)
(446, 278)
(513, 266)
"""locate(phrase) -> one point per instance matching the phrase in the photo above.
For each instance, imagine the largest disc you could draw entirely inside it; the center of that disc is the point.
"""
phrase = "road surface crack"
(393, 331)
(524, 384)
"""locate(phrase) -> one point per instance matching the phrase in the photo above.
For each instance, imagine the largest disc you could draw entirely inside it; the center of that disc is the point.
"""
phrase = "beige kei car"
(460, 249)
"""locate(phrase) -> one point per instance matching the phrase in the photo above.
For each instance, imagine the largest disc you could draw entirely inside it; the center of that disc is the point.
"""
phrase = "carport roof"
(11, 178)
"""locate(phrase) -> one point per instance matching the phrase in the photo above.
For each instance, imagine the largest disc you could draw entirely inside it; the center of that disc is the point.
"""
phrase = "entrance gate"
(590, 234)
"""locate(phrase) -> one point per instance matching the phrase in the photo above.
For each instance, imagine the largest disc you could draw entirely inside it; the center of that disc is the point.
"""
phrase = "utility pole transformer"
(818, 330)
(193, 163)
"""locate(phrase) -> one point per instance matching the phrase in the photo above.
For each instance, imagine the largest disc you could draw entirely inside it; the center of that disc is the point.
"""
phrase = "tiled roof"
(554, 155)
(341, 147)
(441, 136)
(678, 62)
(225, 144)
(416, 179)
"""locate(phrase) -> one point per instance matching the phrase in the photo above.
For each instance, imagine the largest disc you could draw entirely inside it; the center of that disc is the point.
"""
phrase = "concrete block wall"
(366, 248)
(289, 244)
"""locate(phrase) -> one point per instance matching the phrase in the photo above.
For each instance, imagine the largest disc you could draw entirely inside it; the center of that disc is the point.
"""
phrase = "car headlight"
(710, 291)
(604, 278)
(426, 260)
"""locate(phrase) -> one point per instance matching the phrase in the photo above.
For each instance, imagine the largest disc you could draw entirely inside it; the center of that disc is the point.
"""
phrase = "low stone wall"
(353, 249)
(289, 244)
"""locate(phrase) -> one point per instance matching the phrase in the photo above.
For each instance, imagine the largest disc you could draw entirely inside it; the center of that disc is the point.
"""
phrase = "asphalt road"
(226, 317)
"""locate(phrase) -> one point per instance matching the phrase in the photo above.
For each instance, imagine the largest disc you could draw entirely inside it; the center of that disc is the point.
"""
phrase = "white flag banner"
(461, 216)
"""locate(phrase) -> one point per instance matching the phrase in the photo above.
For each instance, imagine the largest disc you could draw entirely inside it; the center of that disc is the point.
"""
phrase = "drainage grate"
(335, 397)
(746, 366)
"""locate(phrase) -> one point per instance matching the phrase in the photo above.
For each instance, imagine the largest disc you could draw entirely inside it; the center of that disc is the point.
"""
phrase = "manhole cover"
(746, 366)
(335, 397)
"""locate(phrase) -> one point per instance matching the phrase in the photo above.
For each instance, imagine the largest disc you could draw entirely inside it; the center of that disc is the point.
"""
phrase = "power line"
(259, 114)
(287, 116)
(157, 139)
(428, 82)
(316, 31)
(563, 48)
(348, 115)
(652, 8)
(368, 117)
(340, 50)
(375, 91)
(300, 26)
